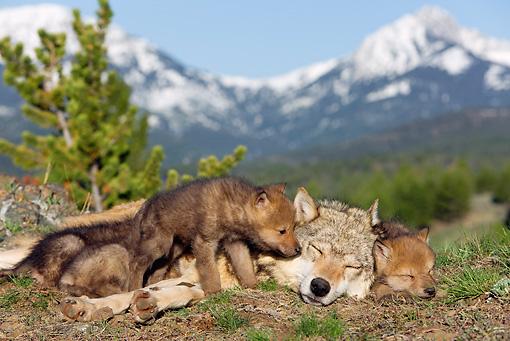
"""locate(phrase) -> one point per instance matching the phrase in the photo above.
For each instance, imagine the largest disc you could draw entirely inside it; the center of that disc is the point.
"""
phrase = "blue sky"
(264, 38)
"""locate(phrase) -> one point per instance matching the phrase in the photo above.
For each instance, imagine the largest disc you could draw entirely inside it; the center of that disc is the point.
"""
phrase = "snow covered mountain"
(422, 65)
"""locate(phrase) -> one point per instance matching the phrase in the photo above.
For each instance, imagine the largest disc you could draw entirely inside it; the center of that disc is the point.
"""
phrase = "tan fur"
(403, 262)
(116, 213)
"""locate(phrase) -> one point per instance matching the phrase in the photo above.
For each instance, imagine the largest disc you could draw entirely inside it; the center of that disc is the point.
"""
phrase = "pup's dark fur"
(403, 262)
(206, 213)
(112, 257)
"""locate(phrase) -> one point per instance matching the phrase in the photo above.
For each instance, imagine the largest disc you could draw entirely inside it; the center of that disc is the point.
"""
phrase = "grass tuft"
(470, 282)
(268, 285)
(21, 281)
(9, 299)
(255, 334)
(228, 319)
(309, 325)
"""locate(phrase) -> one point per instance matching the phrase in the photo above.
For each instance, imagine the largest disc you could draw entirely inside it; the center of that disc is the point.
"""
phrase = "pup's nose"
(430, 291)
(298, 250)
(320, 287)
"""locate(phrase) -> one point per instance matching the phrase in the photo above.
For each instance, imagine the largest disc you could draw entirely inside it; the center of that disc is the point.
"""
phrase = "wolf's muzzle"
(320, 287)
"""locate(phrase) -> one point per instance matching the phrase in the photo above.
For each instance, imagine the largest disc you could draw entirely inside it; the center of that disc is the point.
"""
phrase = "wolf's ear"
(423, 234)
(261, 199)
(306, 209)
(382, 253)
(277, 187)
(374, 213)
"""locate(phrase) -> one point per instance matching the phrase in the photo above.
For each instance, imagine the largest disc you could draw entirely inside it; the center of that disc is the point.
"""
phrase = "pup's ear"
(261, 200)
(423, 234)
(306, 209)
(382, 254)
(277, 187)
(374, 213)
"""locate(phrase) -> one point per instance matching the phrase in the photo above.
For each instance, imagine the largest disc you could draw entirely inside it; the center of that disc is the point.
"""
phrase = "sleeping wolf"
(336, 260)
(208, 211)
(403, 262)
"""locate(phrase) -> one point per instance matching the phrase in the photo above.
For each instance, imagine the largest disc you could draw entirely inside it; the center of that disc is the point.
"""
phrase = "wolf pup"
(226, 212)
(403, 262)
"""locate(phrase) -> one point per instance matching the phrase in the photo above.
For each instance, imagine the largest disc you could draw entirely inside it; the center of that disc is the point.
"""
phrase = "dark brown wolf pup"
(226, 212)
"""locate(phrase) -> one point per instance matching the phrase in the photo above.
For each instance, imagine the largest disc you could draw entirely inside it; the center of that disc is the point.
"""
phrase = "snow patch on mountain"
(497, 78)
(402, 88)
(455, 60)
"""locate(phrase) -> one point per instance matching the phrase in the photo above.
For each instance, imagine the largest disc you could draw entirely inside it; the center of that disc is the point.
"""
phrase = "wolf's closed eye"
(316, 248)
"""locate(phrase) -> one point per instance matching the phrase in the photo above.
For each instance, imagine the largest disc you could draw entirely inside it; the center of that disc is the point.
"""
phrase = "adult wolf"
(336, 260)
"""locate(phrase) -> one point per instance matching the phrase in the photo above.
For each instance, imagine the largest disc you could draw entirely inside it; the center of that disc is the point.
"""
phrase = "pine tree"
(93, 144)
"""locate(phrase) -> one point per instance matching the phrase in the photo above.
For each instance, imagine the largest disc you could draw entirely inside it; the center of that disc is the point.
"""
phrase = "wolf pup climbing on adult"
(200, 215)
(223, 212)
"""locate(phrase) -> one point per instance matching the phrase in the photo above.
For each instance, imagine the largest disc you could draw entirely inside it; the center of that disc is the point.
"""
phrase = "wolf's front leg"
(239, 256)
(147, 303)
(205, 254)
(92, 309)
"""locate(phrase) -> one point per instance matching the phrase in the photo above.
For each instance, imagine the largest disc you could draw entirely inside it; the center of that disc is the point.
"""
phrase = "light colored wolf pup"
(403, 262)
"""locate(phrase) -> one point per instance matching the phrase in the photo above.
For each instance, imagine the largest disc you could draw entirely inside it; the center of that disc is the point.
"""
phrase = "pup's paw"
(79, 309)
(143, 306)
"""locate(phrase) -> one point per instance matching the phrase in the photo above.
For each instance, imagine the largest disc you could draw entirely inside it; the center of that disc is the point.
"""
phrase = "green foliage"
(21, 281)
(502, 190)
(453, 194)
(310, 325)
(486, 180)
(95, 143)
(208, 167)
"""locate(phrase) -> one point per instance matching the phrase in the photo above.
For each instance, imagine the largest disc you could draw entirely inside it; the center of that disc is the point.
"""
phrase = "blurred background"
(405, 101)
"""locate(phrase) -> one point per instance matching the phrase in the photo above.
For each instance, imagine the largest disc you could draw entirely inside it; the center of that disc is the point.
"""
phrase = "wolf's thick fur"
(204, 214)
(336, 260)
(403, 262)
(208, 211)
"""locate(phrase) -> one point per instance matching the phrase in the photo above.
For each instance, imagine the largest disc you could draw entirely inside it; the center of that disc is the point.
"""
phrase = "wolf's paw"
(143, 306)
(78, 309)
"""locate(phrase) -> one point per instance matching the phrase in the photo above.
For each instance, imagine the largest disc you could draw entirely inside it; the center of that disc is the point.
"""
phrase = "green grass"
(309, 325)
(470, 282)
(228, 319)
(41, 301)
(255, 334)
(220, 299)
(13, 227)
(21, 281)
(9, 299)
(268, 285)
(494, 243)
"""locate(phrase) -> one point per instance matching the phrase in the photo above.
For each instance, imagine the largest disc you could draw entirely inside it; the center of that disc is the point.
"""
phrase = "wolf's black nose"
(430, 291)
(298, 250)
(320, 287)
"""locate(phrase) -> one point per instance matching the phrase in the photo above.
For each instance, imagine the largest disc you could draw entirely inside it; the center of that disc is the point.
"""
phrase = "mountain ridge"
(421, 65)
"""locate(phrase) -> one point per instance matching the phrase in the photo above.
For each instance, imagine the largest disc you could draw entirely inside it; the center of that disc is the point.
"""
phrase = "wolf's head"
(336, 255)
(276, 217)
(405, 262)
